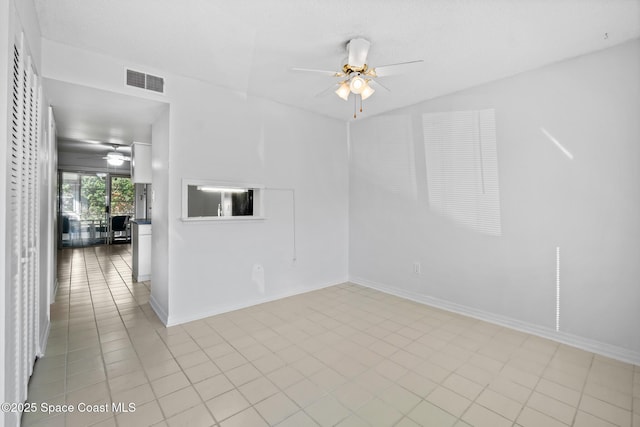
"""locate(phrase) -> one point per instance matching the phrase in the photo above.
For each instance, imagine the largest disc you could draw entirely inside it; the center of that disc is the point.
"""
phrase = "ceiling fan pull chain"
(354, 105)
(361, 103)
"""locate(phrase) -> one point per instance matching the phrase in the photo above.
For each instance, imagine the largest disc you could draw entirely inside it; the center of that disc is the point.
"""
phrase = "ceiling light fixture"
(357, 84)
(343, 91)
(222, 189)
(357, 76)
(115, 159)
(367, 91)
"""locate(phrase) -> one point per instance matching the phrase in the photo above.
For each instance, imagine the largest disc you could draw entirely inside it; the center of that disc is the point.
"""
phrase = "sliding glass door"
(122, 208)
(88, 202)
(122, 196)
(83, 213)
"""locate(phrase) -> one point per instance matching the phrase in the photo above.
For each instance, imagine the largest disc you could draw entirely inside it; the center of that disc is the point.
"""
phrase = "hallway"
(101, 325)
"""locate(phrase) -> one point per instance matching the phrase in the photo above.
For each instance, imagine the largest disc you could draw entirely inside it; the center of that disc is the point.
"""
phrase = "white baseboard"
(44, 337)
(604, 349)
(54, 291)
(177, 320)
(162, 315)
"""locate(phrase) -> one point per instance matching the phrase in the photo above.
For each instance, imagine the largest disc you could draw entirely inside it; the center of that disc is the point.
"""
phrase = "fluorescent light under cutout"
(222, 189)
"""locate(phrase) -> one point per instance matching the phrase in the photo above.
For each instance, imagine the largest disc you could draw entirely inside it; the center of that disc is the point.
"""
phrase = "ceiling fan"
(115, 157)
(358, 78)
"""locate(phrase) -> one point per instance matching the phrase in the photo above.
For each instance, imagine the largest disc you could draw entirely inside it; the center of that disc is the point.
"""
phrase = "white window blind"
(462, 168)
(22, 321)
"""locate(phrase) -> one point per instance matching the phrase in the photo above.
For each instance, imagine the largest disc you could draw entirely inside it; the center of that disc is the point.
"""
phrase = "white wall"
(217, 134)
(253, 141)
(588, 206)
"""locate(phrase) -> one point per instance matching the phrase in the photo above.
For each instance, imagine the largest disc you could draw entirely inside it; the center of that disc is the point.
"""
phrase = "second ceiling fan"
(115, 157)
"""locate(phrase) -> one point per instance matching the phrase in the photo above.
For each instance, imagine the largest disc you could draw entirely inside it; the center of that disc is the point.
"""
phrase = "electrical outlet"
(416, 268)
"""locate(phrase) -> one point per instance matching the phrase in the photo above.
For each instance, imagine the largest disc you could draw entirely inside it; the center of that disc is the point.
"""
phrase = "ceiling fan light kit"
(357, 72)
(115, 159)
(366, 92)
(115, 162)
(343, 91)
(357, 84)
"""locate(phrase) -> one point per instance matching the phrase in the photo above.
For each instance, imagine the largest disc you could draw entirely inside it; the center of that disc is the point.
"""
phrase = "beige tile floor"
(345, 355)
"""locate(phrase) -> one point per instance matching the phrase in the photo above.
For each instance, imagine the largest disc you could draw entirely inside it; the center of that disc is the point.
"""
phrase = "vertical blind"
(462, 168)
(22, 320)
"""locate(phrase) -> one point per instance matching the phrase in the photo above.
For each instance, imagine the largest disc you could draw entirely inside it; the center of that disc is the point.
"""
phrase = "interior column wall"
(160, 135)
(48, 221)
(299, 157)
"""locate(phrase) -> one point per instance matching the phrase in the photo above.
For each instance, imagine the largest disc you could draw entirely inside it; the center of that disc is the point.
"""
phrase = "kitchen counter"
(141, 248)
(141, 221)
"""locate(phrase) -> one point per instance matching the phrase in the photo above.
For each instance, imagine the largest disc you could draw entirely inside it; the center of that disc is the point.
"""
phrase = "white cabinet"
(141, 163)
(141, 248)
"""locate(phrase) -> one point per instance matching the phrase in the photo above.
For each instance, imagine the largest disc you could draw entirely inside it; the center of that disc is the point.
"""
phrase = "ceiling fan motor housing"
(348, 69)
(358, 50)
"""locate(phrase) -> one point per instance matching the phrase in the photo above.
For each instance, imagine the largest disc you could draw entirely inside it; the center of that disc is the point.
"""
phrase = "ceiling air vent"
(145, 81)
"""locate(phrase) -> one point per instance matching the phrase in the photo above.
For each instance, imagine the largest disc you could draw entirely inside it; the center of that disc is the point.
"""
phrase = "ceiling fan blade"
(358, 50)
(117, 155)
(377, 85)
(331, 88)
(388, 69)
(103, 146)
(325, 72)
(124, 159)
(113, 147)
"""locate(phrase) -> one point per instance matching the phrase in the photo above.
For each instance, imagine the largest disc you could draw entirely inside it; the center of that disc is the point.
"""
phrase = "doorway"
(94, 208)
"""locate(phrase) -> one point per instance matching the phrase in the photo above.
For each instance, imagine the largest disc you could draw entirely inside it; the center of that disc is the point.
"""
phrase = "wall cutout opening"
(206, 200)
(462, 168)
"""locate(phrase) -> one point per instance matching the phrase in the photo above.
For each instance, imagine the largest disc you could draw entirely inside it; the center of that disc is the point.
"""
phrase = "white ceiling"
(86, 114)
(250, 45)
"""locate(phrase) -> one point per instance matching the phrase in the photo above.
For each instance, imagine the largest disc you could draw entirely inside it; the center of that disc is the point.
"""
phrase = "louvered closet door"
(23, 217)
